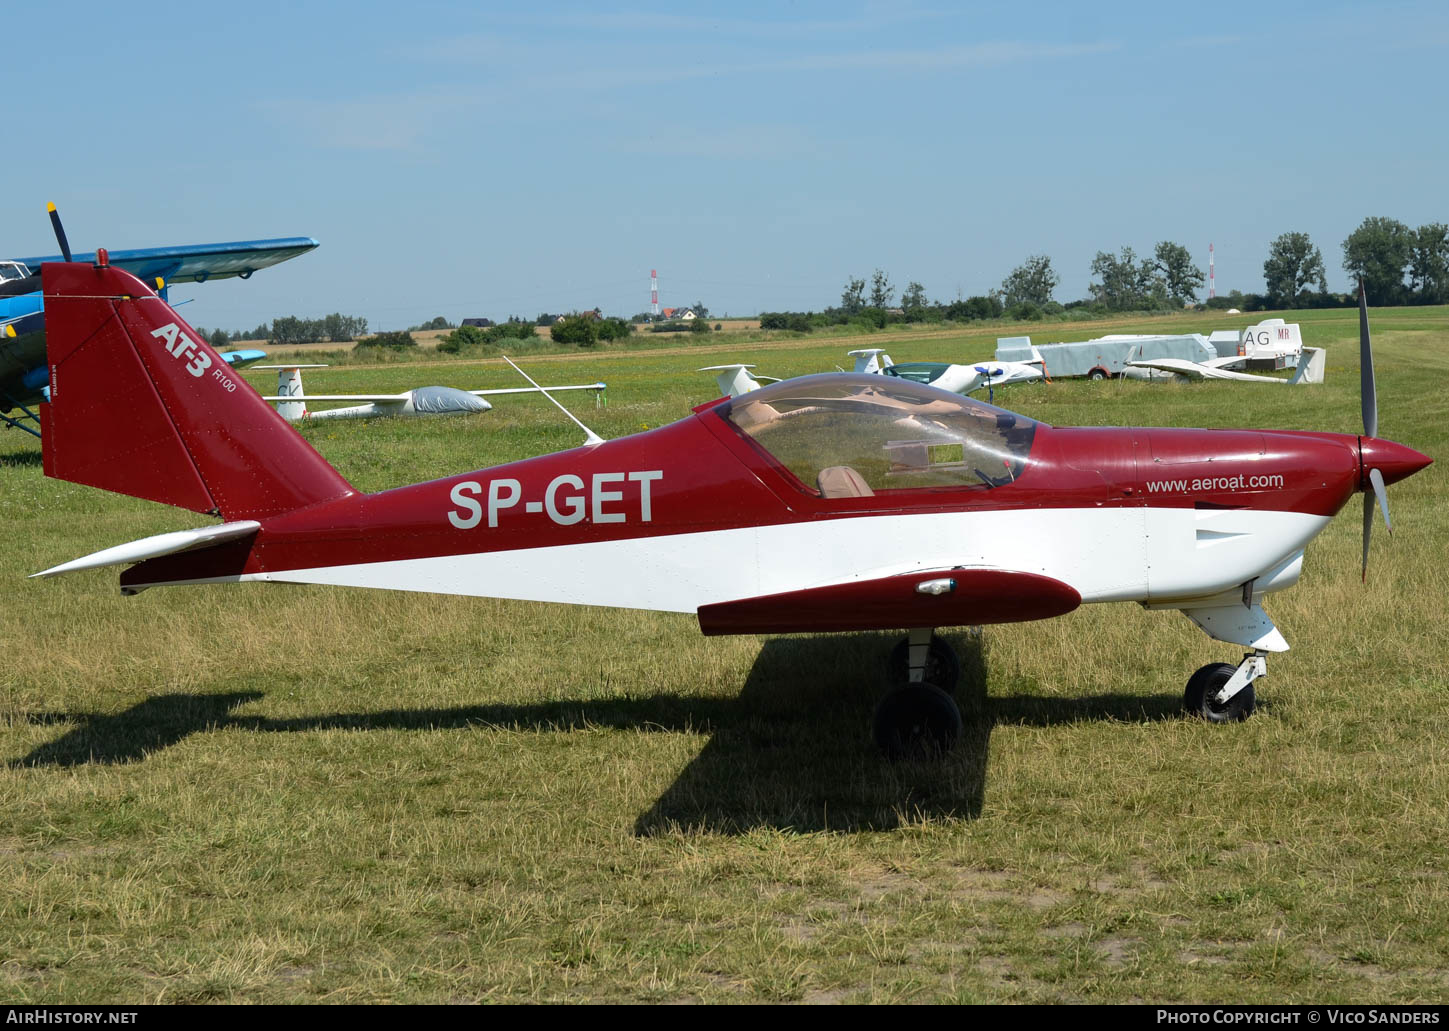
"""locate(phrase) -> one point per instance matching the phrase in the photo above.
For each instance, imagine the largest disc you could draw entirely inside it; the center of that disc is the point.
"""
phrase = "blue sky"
(495, 159)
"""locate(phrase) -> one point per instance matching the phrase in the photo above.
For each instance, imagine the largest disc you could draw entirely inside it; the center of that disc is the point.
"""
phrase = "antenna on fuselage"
(590, 437)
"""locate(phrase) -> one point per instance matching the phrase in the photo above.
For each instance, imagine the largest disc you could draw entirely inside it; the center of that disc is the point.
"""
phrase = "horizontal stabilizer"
(954, 597)
(155, 547)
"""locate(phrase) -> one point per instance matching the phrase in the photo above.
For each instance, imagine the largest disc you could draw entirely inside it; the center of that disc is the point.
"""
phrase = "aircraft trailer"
(1270, 345)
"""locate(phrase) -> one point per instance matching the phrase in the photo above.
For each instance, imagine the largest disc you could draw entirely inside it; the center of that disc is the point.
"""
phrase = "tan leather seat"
(752, 416)
(841, 481)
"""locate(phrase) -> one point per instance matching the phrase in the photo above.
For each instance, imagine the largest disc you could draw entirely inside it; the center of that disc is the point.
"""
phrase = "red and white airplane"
(747, 512)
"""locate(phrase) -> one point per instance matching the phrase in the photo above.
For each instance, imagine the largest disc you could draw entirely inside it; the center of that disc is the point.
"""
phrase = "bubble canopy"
(857, 435)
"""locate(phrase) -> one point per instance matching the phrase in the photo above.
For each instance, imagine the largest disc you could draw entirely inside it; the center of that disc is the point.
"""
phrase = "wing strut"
(590, 437)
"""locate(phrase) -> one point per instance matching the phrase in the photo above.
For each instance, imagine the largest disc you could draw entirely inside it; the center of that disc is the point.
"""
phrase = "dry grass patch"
(303, 794)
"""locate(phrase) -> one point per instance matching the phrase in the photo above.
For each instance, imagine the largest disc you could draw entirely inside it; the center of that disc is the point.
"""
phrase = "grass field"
(289, 794)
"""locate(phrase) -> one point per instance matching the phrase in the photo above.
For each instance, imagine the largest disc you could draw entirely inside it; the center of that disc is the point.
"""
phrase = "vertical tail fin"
(1310, 366)
(289, 384)
(871, 359)
(140, 404)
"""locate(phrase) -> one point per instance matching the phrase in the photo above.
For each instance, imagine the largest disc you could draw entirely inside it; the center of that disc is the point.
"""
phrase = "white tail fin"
(871, 359)
(289, 384)
(1310, 366)
(733, 380)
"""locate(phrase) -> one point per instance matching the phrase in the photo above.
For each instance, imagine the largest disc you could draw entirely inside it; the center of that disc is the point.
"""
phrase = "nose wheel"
(918, 719)
(1223, 693)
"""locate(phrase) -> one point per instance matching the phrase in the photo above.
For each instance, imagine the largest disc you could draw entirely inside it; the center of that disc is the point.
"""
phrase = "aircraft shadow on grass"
(25, 457)
(791, 752)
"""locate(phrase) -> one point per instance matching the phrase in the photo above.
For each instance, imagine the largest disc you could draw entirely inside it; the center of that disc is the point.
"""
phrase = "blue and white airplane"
(24, 376)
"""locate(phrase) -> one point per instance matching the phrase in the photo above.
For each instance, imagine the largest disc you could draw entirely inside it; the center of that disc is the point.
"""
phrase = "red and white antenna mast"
(653, 292)
(1212, 283)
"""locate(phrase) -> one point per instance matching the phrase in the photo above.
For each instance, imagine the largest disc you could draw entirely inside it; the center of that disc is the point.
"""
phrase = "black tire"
(1097, 374)
(918, 721)
(1208, 681)
(943, 668)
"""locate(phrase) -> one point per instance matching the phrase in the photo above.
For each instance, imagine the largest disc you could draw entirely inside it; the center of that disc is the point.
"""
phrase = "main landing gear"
(919, 719)
(1223, 693)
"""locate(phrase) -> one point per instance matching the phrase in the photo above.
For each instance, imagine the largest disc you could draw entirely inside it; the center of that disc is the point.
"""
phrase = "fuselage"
(963, 379)
(22, 357)
(721, 505)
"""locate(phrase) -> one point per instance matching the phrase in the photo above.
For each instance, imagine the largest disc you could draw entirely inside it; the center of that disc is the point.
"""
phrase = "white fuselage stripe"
(1116, 554)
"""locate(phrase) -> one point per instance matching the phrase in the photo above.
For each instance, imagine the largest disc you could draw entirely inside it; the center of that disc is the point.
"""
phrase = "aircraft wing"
(953, 597)
(1181, 366)
(196, 263)
(376, 399)
(535, 390)
(241, 359)
(1194, 370)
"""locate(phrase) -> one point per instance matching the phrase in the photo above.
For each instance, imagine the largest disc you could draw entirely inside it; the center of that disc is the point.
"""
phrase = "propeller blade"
(1368, 526)
(1368, 397)
(59, 231)
(1377, 479)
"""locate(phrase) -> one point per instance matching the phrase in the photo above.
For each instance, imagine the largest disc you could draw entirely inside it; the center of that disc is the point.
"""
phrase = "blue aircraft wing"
(197, 263)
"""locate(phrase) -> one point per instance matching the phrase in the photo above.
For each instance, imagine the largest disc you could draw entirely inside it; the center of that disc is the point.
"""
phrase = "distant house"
(688, 314)
(668, 313)
(480, 323)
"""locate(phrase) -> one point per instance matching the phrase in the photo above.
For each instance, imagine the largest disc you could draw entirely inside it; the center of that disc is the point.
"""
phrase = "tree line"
(1398, 265)
(335, 328)
(1166, 280)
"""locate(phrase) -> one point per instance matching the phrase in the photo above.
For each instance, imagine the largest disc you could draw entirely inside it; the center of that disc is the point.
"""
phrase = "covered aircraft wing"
(197, 263)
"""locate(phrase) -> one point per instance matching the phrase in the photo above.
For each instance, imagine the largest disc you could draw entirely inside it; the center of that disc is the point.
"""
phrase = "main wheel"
(1097, 374)
(943, 668)
(1207, 682)
(918, 721)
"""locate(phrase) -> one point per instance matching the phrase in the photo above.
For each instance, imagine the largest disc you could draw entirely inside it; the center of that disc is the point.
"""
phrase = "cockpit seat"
(841, 481)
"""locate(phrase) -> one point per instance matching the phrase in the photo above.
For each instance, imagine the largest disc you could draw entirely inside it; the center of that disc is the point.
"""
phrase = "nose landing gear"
(1223, 693)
